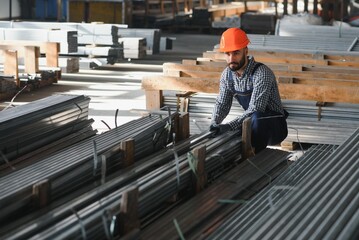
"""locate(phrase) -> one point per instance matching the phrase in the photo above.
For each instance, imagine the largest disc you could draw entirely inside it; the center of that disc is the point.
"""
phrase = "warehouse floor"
(118, 87)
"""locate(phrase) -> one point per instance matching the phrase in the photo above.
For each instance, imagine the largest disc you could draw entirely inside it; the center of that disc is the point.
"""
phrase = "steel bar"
(30, 126)
(62, 167)
(67, 39)
(115, 196)
(88, 33)
(301, 43)
(320, 203)
(332, 125)
(247, 216)
(195, 212)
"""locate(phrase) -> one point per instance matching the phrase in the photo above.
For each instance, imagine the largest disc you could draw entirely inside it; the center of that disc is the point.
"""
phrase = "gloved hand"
(219, 129)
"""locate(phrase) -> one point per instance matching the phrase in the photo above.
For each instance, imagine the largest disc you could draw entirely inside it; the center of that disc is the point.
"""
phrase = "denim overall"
(269, 127)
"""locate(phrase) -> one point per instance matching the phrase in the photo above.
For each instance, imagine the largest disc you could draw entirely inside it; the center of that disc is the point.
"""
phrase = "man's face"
(236, 59)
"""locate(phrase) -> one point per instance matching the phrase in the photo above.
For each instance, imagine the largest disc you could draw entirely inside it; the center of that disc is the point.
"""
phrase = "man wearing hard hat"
(255, 88)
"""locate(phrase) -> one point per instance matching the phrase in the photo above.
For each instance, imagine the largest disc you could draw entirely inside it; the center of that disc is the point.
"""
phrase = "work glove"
(218, 129)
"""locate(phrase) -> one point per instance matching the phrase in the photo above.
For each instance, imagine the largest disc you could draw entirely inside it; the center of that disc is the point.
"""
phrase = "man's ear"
(246, 51)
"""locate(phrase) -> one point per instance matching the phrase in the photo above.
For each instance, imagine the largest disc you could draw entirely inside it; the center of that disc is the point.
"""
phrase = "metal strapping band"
(95, 158)
(266, 174)
(82, 226)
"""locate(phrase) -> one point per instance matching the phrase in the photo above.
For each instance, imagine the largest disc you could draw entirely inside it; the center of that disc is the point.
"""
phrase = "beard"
(235, 66)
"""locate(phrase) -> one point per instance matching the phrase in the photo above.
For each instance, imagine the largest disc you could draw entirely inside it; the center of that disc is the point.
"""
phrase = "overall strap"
(257, 65)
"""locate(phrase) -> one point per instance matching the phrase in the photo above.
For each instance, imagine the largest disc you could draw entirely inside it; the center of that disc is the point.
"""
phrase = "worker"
(254, 86)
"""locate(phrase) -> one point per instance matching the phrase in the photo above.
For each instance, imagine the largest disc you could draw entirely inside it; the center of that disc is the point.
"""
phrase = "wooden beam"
(41, 193)
(128, 147)
(183, 130)
(50, 49)
(11, 65)
(52, 54)
(128, 217)
(247, 150)
(32, 59)
(199, 154)
(154, 97)
(319, 93)
(206, 85)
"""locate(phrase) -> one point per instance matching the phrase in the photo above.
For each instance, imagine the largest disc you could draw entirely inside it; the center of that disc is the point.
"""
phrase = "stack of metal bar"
(307, 122)
(27, 130)
(99, 41)
(83, 163)
(158, 177)
(298, 43)
(319, 203)
(152, 36)
(66, 38)
(134, 47)
(88, 33)
(219, 199)
(263, 202)
(290, 28)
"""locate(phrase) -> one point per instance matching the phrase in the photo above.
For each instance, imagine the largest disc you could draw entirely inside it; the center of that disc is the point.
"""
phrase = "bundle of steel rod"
(308, 122)
(82, 163)
(152, 36)
(206, 206)
(97, 218)
(303, 43)
(324, 205)
(247, 216)
(67, 39)
(88, 33)
(31, 224)
(28, 127)
(288, 28)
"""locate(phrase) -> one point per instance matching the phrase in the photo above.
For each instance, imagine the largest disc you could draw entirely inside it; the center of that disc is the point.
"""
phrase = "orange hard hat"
(233, 39)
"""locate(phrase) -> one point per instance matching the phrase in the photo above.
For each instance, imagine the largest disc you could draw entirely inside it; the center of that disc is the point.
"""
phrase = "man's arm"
(223, 101)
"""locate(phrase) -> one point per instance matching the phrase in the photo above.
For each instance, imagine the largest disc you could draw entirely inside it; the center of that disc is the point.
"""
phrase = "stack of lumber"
(326, 78)
(20, 65)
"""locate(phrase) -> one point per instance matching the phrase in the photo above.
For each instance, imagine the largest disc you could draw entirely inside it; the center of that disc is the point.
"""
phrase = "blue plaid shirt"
(265, 95)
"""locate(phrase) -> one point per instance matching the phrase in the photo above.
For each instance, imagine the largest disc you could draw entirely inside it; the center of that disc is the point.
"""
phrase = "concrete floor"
(119, 86)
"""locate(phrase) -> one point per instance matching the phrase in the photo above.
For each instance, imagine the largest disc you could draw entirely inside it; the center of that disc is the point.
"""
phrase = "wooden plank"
(32, 59)
(128, 217)
(319, 93)
(289, 54)
(11, 65)
(169, 67)
(320, 59)
(154, 98)
(183, 131)
(206, 85)
(41, 193)
(128, 147)
(247, 150)
(199, 154)
(52, 54)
